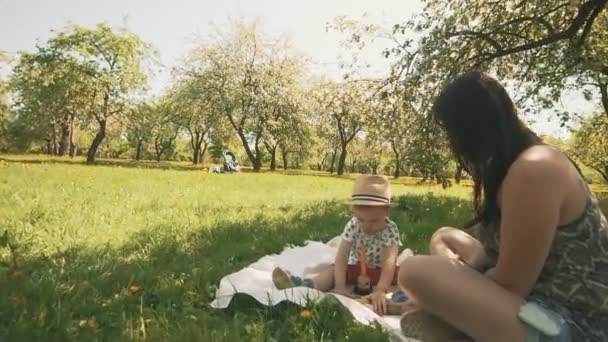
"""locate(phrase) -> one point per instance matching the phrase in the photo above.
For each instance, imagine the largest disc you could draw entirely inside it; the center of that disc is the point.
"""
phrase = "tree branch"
(589, 25)
(582, 17)
(600, 171)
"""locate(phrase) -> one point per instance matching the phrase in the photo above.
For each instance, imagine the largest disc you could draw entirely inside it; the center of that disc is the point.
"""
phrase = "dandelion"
(306, 314)
(134, 289)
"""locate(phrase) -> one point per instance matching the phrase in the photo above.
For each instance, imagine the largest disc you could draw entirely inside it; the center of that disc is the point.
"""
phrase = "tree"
(591, 144)
(319, 151)
(542, 47)
(297, 145)
(402, 101)
(49, 98)
(4, 109)
(247, 75)
(539, 47)
(195, 113)
(285, 123)
(397, 123)
(139, 126)
(324, 138)
(111, 64)
(346, 106)
(164, 130)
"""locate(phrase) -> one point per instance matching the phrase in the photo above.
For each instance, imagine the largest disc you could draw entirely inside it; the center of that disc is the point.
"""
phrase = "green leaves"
(590, 144)
(253, 83)
(79, 77)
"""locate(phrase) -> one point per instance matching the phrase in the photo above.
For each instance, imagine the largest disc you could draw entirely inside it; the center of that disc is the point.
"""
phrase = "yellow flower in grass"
(306, 314)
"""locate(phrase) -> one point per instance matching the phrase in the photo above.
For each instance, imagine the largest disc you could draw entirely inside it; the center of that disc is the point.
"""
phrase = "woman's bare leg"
(463, 297)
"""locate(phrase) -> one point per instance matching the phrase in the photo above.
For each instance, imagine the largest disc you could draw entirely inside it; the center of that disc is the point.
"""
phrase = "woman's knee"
(440, 236)
(443, 231)
(413, 272)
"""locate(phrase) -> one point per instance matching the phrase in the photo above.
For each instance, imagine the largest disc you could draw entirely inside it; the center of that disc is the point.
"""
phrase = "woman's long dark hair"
(485, 134)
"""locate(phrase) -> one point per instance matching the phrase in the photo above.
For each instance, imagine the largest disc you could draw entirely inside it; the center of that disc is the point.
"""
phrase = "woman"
(542, 237)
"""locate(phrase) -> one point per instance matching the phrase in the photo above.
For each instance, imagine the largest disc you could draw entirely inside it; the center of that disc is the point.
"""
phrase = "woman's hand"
(378, 298)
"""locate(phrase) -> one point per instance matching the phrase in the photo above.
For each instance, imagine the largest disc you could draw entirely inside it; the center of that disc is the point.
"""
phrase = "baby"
(371, 228)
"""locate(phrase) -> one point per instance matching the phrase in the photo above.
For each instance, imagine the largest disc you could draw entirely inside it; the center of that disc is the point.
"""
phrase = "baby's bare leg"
(323, 280)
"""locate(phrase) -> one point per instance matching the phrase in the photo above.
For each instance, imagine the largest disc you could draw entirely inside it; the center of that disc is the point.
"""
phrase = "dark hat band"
(371, 198)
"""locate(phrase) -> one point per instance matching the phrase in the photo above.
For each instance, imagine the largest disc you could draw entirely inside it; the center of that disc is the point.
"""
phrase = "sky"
(173, 26)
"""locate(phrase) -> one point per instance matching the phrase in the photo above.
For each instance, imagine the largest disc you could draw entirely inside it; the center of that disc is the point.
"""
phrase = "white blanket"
(256, 281)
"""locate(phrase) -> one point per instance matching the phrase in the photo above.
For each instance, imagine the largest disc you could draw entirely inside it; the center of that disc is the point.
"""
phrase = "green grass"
(79, 236)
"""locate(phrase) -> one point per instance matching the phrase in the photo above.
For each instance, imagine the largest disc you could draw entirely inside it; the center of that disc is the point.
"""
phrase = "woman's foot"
(282, 279)
(423, 326)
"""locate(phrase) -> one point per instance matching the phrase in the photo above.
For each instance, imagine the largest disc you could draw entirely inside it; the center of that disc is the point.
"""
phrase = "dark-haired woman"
(538, 268)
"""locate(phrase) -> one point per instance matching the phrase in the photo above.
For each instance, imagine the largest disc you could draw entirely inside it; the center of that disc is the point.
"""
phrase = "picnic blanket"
(255, 280)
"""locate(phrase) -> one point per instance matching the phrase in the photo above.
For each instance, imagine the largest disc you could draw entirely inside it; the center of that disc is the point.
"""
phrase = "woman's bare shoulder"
(541, 161)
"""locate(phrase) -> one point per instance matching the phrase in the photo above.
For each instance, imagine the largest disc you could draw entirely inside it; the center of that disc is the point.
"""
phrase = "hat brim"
(370, 203)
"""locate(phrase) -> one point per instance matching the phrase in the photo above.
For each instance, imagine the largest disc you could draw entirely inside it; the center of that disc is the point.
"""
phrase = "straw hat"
(371, 191)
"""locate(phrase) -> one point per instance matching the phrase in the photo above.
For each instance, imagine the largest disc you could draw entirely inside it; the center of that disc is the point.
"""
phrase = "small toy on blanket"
(396, 302)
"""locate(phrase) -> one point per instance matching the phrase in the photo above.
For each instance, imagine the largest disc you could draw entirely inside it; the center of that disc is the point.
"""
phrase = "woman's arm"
(456, 244)
(530, 204)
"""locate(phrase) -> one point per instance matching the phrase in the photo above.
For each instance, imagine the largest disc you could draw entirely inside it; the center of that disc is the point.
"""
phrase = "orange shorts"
(353, 271)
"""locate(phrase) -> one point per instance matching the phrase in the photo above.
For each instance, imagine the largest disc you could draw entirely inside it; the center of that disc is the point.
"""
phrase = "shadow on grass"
(88, 294)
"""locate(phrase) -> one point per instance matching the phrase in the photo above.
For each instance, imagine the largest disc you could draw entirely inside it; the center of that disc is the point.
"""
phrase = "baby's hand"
(379, 301)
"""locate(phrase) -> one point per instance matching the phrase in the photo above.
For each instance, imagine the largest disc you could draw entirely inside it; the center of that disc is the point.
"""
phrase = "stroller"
(230, 162)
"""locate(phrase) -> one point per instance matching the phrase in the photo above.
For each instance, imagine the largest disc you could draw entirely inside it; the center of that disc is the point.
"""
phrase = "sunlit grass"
(80, 235)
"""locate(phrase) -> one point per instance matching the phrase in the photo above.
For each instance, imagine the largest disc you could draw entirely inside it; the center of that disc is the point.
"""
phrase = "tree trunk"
(342, 160)
(333, 161)
(397, 161)
(138, 151)
(101, 134)
(397, 169)
(284, 154)
(458, 175)
(158, 149)
(254, 159)
(196, 154)
(273, 155)
(322, 163)
(273, 160)
(257, 160)
(196, 140)
(604, 96)
(49, 147)
(64, 143)
(53, 141)
(201, 158)
(375, 169)
(73, 149)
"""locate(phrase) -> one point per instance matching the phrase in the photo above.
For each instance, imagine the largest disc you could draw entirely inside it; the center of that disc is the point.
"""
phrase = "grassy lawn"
(80, 236)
